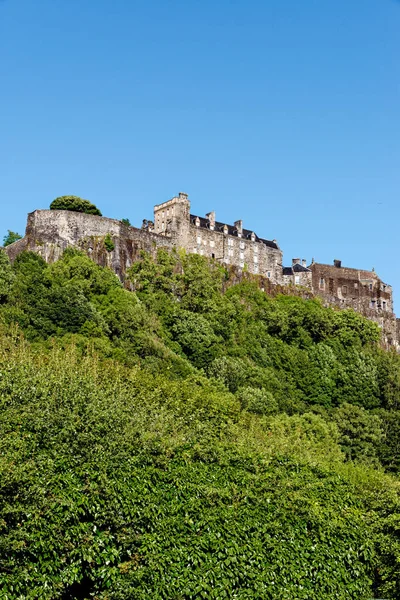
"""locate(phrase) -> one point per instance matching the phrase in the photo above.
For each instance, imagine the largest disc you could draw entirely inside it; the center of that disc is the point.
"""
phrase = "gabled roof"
(246, 233)
(296, 268)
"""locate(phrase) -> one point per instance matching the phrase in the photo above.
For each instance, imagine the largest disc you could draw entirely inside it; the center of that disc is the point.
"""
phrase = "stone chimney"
(337, 263)
(211, 219)
(304, 262)
(295, 261)
(239, 227)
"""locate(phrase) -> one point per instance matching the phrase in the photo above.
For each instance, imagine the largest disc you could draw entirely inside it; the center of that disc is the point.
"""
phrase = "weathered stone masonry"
(50, 232)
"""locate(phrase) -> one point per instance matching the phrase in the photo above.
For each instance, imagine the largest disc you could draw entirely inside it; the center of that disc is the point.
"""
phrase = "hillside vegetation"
(190, 438)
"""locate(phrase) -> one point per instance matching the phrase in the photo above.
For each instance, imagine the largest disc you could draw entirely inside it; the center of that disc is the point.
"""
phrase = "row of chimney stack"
(298, 261)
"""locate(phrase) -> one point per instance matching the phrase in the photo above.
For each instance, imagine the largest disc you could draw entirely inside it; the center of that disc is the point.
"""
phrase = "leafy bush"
(75, 203)
(154, 495)
(6, 276)
(108, 243)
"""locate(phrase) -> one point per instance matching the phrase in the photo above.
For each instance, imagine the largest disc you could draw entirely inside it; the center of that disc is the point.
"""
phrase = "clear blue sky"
(285, 113)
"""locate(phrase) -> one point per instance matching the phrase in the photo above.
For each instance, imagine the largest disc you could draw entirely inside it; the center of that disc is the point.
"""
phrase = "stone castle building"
(229, 244)
(50, 232)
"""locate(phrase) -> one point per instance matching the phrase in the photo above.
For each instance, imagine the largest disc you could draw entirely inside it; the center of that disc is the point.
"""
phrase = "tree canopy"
(11, 237)
(75, 203)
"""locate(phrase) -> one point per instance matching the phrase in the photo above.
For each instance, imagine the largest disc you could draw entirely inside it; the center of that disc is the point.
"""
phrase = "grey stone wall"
(50, 232)
(255, 257)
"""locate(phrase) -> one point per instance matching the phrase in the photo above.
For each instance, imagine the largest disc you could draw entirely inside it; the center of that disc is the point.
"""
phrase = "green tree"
(6, 276)
(126, 222)
(11, 237)
(360, 433)
(75, 203)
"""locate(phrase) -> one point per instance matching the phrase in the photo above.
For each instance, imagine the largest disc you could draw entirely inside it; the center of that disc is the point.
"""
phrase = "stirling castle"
(50, 232)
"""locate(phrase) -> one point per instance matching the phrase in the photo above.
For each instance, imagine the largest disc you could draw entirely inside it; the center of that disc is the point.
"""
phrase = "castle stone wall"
(50, 232)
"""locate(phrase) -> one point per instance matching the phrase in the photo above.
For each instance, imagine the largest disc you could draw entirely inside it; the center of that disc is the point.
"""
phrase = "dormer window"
(197, 222)
(225, 229)
(253, 237)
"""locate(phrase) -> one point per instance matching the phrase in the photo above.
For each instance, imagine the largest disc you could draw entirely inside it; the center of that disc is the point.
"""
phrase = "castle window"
(198, 239)
(370, 286)
(384, 305)
(356, 286)
(344, 290)
(163, 226)
(268, 274)
(197, 222)
(384, 288)
(322, 283)
(212, 243)
(255, 268)
(297, 279)
(373, 304)
(255, 249)
(241, 264)
(256, 259)
(242, 256)
(230, 242)
(242, 245)
(225, 230)
(230, 252)
(213, 255)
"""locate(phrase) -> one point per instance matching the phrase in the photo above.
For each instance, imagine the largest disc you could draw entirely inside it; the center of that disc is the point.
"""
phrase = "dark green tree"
(76, 204)
(11, 237)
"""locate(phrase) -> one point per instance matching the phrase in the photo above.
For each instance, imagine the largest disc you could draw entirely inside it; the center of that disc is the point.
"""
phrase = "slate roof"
(205, 224)
(297, 268)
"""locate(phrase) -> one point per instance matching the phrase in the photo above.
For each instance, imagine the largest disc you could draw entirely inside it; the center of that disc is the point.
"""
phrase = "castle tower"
(172, 218)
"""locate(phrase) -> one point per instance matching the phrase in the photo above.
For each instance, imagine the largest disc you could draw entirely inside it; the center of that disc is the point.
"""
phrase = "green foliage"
(258, 401)
(6, 276)
(190, 438)
(389, 447)
(126, 222)
(75, 203)
(11, 237)
(108, 242)
(154, 495)
(360, 432)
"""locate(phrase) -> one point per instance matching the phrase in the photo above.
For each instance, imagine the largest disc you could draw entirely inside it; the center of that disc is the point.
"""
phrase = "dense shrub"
(190, 438)
(76, 204)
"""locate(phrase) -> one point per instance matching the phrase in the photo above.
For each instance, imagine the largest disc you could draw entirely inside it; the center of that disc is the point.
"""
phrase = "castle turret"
(172, 217)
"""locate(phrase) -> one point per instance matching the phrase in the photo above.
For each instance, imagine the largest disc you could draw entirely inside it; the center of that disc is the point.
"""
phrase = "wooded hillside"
(187, 438)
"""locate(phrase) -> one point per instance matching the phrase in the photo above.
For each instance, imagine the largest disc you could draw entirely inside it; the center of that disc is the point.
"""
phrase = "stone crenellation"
(50, 232)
